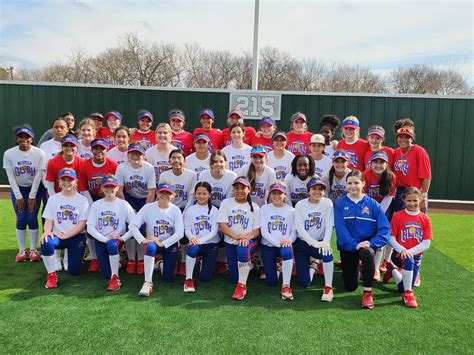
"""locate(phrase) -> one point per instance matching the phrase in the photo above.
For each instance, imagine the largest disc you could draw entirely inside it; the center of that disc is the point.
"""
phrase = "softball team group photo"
(165, 202)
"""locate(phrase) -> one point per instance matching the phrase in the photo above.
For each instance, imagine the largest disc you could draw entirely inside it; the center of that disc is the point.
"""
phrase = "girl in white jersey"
(278, 234)
(302, 170)
(25, 165)
(322, 162)
(279, 159)
(107, 223)
(87, 132)
(335, 178)
(260, 175)
(119, 153)
(237, 153)
(159, 154)
(199, 161)
(53, 147)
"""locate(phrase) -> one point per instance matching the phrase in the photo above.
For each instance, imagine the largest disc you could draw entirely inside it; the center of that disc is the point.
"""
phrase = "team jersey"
(360, 221)
(106, 134)
(56, 164)
(297, 189)
(412, 167)
(238, 159)
(323, 165)
(338, 187)
(282, 166)
(184, 141)
(83, 151)
(197, 165)
(368, 154)
(356, 152)
(314, 217)
(183, 185)
(202, 224)
(136, 182)
(118, 156)
(145, 139)
(410, 229)
(160, 161)
(215, 135)
(25, 165)
(329, 151)
(109, 218)
(259, 194)
(51, 148)
(221, 188)
(277, 223)
(164, 223)
(249, 133)
(266, 143)
(372, 185)
(66, 211)
(298, 143)
(92, 174)
(238, 217)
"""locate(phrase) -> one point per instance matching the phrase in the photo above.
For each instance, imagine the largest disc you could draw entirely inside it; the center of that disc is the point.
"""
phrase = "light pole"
(255, 46)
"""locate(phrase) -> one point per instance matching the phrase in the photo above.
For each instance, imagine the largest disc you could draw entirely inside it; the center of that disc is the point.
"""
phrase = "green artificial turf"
(82, 317)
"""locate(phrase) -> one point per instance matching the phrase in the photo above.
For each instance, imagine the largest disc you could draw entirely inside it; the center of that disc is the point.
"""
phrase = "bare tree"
(348, 78)
(310, 75)
(418, 79)
(277, 70)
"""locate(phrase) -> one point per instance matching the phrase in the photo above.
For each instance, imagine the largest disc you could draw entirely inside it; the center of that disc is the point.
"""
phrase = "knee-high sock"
(21, 238)
(66, 253)
(407, 276)
(328, 269)
(149, 263)
(91, 244)
(221, 255)
(114, 264)
(397, 276)
(244, 270)
(184, 251)
(286, 267)
(190, 263)
(131, 249)
(33, 238)
(378, 258)
(140, 251)
(49, 263)
(57, 254)
(387, 252)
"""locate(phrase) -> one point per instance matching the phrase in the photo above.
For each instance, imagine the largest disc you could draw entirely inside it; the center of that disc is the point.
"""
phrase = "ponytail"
(251, 176)
(249, 200)
(331, 179)
(386, 182)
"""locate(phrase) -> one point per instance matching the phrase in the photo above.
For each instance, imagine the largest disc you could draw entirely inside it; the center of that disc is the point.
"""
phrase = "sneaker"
(140, 267)
(417, 280)
(21, 256)
(131, 267)
(58, 264)
(377, 275)
(367, 300)
(240, 292)
(34, 256)
(189, 286)
(388, 274)
(328, 294)
(114, 283)
(409, 299)
(147, 289)
(286, 293)
(222, 268)
(93, 266)
(51, 280)
(383, 266)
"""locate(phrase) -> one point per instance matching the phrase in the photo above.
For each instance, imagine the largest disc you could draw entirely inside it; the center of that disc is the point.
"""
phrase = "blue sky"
(380, 34)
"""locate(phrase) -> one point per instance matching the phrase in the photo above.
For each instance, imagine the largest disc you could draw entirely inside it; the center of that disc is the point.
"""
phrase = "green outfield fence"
(444, 124)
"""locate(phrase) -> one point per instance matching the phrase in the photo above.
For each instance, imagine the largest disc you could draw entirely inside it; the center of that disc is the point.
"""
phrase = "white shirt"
(51, 148)
(159, 161)
(276, 223)
(314, 217)
(136, 182)
(117, 156)
(239, 218)
(25, 165)
(221, 188)
(197, 165)
(260, 194)
(338, 188)
(202, 224)
(83, 151)
(282, 166)
(297, 189)
(238, 159)
(183, 185)
(66, 211)
(323, 165)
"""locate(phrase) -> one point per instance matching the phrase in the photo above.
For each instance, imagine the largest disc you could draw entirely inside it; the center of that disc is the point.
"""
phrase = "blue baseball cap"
(278, 186)
(144, 114)
(267, 120)
(116, 114)
(379, 155)
(109, 181)
(202, 136)
(350, 122)
(69, 139)
(67, 172)
(279, 134)
(207, 111)
(100, 142)
(315, 181)
(241, 180)
(166, 187)
(97, 115)
(258, 150)
(136, 148)
(340, 154)
(25, 130)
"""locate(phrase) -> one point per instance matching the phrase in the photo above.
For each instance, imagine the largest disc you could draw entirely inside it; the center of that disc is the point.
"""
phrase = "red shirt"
(249, 133)
(368, 154)
(184, 141)
(372, 185)
(215, 134)
(356, 152)
(298, 143)
(145, 139)
(266, 143)
(408, 230)
(92, 175)
(56, 164)
(411, 168)
(106, 134)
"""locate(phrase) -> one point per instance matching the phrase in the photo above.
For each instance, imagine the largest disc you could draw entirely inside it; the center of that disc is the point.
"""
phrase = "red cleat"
(222, 268)
(140, 267)
(34, 255)
(181, 269)
(409, 299)
(21, 256)
(189, 286)
(286, 293)
(383, 266)
(131, 267)
(240, 292)
(328, 294)
(93, 266)
(367, 300)
(417, 280)
(114, 283)
(51, 280)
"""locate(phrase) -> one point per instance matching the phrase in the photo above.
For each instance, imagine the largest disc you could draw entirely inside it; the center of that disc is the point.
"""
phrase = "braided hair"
(208, 187)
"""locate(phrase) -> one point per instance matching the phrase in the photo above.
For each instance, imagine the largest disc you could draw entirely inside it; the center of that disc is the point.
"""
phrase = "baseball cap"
(241, 180)
(406, 130)
(267, 120)
(109, 181)
(376, 130)
(350, 122)
(278, 186)
(166, 187)
(116, 114)
(315, 181)
(317, 139)
(236, 111)
(340, 154)
(379, 155)
(100, 142)
(143, 114)
(136, 148)
(279, 134)
(202, 136)
(67, 172)
(176, 114)
(207, 111)
(25, 130)
(97, 115)
(69, 139)
(297, 115)
(258, 150)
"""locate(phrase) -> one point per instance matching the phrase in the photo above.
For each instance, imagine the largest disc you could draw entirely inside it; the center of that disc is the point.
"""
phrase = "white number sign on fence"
(256, 105)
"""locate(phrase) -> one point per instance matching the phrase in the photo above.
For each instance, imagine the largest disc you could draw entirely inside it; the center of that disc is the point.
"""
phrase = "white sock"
(388, 252)
(407, 276)
(114, 264)
(21, 238)
(311, 274)
(149, 263)
(190, 263)
(140, 250)
(49, 263)
(65, 258)
(57, 254)
(184, 251)
(397, 276)
(221, 255)
(33, 239)
(286, 267)
(244, 270)
(328, 269)
(131, 248)
(91, 244)
(378, 258)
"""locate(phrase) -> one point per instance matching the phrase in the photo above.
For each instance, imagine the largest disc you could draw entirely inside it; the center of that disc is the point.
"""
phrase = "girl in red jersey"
(144, 135)
(113, 119)
(206, 117)
(376, 137)
(180, 138)
(411, 235)
(298, 137)
(98, 119)
(236, 116)
(352, 144)
(265, 134)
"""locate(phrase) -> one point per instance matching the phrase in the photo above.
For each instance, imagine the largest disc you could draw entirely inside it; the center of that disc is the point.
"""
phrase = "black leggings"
(350, 268)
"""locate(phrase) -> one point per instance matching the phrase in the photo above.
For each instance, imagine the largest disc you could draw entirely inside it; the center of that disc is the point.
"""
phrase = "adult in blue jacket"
(361, 227)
